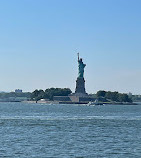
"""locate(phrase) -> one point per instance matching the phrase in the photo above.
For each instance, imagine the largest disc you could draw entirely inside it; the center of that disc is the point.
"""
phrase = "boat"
(94, 103)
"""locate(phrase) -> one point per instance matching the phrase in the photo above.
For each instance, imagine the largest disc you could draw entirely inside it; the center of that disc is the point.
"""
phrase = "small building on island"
(18, 91)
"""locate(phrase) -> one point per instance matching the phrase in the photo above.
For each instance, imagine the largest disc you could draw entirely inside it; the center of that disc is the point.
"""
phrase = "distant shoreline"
(80, 103)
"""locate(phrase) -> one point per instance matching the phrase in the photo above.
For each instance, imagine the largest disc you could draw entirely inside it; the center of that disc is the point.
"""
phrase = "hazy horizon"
(40, 40)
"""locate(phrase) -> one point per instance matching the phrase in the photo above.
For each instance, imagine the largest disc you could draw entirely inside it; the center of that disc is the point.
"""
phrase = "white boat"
(94, 103)
(91, 104)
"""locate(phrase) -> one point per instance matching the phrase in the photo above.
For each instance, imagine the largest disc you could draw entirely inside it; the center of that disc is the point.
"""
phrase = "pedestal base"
(80, 86)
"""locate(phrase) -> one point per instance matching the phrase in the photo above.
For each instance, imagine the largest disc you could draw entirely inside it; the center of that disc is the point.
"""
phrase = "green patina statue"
(81, 67)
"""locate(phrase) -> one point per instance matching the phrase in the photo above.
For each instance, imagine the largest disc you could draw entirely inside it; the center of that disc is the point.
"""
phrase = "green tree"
(101, 93)
(34, 95)
(50, 93)
(124, 98)
(114, 96)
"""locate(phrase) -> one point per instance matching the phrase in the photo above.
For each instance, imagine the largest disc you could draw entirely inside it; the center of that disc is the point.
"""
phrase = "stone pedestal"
(80, 86)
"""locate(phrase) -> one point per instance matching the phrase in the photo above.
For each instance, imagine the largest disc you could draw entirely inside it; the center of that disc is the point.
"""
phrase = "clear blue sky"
(39, 41)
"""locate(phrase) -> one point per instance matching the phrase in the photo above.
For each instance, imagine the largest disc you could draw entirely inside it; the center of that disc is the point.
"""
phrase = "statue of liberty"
(81, 67)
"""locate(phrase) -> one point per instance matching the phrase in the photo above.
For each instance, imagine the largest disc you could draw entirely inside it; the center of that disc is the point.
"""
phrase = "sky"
(39, 41)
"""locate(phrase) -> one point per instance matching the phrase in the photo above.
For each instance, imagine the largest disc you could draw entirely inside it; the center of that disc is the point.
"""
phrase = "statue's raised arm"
(78, 56)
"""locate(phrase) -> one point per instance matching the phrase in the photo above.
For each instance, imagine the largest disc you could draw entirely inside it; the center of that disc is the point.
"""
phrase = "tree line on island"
(113, 96)
(104, 96)
(101, 95)
(14, 94)
(50, 93)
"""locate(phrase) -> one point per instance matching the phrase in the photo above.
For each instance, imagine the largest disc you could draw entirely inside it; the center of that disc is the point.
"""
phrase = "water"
(69, 131)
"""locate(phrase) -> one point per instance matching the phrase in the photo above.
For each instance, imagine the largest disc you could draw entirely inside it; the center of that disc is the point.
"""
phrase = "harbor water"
(69, 131)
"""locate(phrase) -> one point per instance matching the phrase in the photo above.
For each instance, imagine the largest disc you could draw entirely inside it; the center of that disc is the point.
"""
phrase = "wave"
(70, 118)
